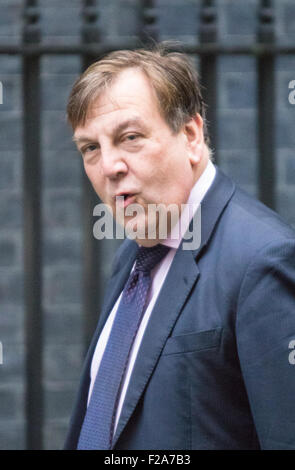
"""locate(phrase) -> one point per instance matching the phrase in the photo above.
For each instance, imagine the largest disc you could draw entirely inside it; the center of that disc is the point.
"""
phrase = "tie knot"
(148, 258)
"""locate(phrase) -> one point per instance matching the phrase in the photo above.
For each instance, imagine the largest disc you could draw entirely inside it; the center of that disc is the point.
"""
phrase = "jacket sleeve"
(265, 332)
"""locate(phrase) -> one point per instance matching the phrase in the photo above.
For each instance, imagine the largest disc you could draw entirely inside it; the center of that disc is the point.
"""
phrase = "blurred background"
(52, 271)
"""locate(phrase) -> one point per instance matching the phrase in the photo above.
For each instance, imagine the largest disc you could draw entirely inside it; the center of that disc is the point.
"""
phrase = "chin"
(141, 232)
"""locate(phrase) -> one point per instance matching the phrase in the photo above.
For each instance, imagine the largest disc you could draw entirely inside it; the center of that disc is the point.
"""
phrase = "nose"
(113, 164)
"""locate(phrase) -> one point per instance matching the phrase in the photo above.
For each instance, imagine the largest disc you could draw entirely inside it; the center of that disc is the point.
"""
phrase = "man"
(193, 351)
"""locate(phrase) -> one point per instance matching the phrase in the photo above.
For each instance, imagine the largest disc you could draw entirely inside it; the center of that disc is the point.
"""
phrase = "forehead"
(131, 94)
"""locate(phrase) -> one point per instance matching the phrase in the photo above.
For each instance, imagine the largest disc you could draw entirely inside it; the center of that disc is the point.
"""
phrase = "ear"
(193, 131)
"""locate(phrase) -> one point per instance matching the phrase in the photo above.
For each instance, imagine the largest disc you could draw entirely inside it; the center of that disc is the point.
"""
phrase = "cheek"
(177, 182)
(156, 168)
(88, 170)
(96, 180)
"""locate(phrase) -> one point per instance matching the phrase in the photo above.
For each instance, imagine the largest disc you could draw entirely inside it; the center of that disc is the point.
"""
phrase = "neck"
(200, 167)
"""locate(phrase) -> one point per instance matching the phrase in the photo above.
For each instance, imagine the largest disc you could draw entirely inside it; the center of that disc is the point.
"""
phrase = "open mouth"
(128, 198)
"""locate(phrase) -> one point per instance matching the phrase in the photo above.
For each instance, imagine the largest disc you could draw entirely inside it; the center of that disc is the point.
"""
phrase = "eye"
(131, 137)
(88, 148)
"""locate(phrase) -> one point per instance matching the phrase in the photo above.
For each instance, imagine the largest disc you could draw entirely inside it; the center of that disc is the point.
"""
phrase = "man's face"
(129, 150)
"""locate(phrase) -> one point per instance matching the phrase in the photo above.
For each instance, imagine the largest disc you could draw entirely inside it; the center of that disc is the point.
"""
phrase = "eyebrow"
(117, 129)
(137, 122)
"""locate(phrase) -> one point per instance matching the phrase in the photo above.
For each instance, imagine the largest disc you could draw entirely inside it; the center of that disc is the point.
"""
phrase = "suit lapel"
(181, 278)
(117, 283)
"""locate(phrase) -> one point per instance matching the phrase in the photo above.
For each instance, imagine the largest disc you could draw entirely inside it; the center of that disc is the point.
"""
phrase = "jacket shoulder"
(255, 223)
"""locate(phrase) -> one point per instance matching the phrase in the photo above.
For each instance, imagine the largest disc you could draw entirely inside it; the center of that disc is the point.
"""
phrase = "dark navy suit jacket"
(214, 369)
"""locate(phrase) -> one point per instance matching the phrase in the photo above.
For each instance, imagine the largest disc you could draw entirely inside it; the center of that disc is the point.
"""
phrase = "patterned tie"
(98, 425)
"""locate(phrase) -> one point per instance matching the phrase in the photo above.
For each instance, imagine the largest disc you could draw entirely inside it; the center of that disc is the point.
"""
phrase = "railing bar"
(266, 136)
(266, 111)
(92, 282)
(208, 70)
(95, 50)
(148, 23)
(32, 239)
